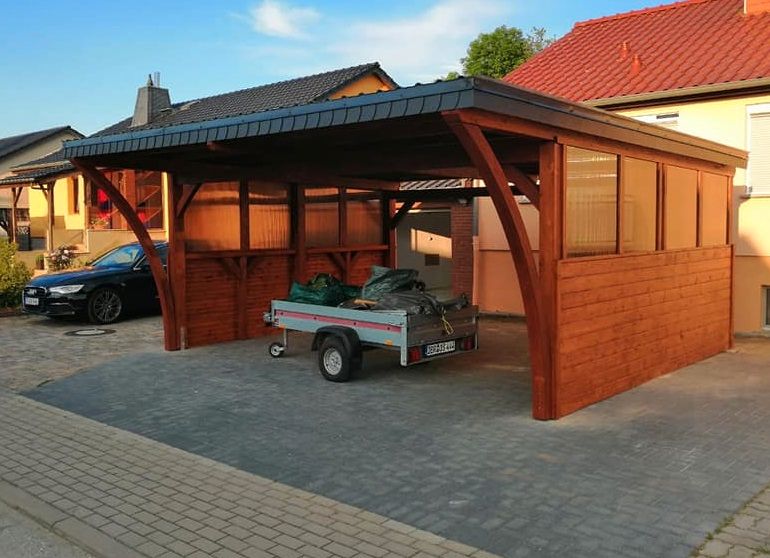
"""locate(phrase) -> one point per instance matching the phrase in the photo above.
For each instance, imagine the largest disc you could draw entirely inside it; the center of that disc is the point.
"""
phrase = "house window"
(758, 175)
(665, 120)
(149, 198)
(592, 202)
(74, 195)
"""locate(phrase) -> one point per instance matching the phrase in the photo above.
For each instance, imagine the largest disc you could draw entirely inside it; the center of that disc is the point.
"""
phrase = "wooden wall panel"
(625, 320)
(269, 278)
(362, 266)
(321, 263)
(210, 303)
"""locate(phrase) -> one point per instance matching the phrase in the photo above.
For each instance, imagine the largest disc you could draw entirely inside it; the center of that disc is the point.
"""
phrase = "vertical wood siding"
(625, 320)
(212, 291)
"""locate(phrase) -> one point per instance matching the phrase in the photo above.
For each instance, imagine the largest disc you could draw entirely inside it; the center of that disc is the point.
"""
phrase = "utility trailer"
(341, 334)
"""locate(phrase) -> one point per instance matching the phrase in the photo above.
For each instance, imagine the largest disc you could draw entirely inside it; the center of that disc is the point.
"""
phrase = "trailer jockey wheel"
(276, 350)
(334, 360)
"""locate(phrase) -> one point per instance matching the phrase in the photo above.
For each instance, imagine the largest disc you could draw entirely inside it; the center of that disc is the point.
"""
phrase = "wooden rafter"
(401, 213)
(187, 195)
(481, 153)
(171, 333)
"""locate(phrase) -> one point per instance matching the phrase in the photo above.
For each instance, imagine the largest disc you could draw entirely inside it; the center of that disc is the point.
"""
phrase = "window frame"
(751, 110)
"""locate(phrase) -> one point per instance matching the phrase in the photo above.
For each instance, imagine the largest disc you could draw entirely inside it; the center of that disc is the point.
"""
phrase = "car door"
(141, 293)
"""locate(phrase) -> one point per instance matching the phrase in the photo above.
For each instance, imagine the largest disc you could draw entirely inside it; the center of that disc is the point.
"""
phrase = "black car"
(116, 283)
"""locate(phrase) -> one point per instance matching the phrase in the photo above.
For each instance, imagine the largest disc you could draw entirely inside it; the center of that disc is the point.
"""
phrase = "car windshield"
(121, 256)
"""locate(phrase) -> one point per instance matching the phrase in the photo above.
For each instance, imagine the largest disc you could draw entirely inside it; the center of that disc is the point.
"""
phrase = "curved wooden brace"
(170, 333)
(483, 157)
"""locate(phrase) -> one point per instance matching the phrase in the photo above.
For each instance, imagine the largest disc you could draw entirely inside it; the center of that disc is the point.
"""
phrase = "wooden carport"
(603, 314)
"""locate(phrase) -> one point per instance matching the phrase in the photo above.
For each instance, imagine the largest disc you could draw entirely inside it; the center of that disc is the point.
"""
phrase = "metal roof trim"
(347, 110)
(482, 93)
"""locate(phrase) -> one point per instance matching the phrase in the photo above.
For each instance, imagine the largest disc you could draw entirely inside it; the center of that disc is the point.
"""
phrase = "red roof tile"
(685, 44)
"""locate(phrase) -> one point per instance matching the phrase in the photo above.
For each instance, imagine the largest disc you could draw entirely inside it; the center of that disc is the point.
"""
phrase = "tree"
(497, 53)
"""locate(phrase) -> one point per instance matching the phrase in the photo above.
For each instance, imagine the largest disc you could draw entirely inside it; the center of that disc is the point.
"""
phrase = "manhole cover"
(90, 332)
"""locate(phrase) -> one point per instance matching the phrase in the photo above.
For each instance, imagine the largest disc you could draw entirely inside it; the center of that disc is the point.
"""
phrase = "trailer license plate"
(439, 348)
(31, 301)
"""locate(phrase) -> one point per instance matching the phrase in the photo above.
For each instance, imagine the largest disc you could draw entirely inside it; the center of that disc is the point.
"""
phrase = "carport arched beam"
(484, 159)
(170, 333)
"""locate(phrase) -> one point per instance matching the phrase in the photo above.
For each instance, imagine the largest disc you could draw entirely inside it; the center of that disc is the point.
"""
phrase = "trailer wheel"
(276, 350)
(334, 359)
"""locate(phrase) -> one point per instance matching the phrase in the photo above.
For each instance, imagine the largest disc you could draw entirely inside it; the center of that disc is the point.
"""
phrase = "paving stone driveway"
(35, 350)
(450, 447)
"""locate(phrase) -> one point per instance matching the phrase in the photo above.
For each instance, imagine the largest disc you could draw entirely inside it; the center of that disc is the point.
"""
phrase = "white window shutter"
(759, 154)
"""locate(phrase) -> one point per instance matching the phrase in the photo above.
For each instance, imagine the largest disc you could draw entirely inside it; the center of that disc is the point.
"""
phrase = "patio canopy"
(465, 128)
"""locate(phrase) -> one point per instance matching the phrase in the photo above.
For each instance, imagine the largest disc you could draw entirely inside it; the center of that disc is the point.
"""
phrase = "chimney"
(636, 65)
(151, 101)
(756, 6)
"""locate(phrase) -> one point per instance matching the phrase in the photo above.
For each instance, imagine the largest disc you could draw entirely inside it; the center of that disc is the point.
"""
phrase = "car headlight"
(65, 289)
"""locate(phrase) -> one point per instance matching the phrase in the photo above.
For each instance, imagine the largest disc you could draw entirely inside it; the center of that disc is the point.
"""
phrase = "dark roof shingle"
(282, 94)
(15, 143)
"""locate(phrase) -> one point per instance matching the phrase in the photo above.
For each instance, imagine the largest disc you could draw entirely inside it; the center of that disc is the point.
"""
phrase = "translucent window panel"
(591, 202)
(640, 205)
(149, 198)
(681, 208)
(364, 217)
(212, 221)
(713, 214)
(269, 218)
(322, 217)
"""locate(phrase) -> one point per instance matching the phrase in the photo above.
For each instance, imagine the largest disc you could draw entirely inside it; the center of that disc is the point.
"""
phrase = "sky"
(80, 63)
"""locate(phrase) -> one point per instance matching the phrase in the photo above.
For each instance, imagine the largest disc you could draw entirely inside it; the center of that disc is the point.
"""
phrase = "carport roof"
(463, 93)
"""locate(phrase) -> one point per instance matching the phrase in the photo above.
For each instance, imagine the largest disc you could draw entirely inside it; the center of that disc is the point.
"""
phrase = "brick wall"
(462, 249)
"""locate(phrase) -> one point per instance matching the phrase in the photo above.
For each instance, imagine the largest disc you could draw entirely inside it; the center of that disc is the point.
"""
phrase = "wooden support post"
(483, 157)
(171, 332)
(243, 263)
(12, 220)
(129, 192)
(299, 232)
(551, 251)
(243, 298)
(177, 259)
(388, 232)
(48, 192)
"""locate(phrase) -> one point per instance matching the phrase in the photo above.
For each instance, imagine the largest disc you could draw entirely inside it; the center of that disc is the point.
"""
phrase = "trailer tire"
(276, 349)
(334, 359)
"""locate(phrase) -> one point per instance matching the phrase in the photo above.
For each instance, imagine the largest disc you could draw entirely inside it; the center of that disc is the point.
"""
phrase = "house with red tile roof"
(702, 67)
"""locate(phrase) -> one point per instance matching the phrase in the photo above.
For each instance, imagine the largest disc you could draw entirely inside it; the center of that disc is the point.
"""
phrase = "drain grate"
(89, 332)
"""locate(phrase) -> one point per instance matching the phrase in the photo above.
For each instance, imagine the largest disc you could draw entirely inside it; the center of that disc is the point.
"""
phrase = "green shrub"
(13, 276)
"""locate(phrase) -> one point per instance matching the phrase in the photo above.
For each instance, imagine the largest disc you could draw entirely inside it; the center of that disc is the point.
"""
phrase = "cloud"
(278, 19)
(423, 46)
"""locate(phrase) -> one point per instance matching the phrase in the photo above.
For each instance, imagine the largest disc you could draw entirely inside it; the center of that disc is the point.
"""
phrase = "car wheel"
(334, 360)
(105, 306)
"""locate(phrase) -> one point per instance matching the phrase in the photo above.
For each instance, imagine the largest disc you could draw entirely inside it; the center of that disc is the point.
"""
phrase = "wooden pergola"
(43, 179)
(518, 142)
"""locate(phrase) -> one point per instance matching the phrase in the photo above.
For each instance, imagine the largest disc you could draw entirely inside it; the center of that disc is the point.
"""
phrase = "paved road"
(21, 537)
(450, 448)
